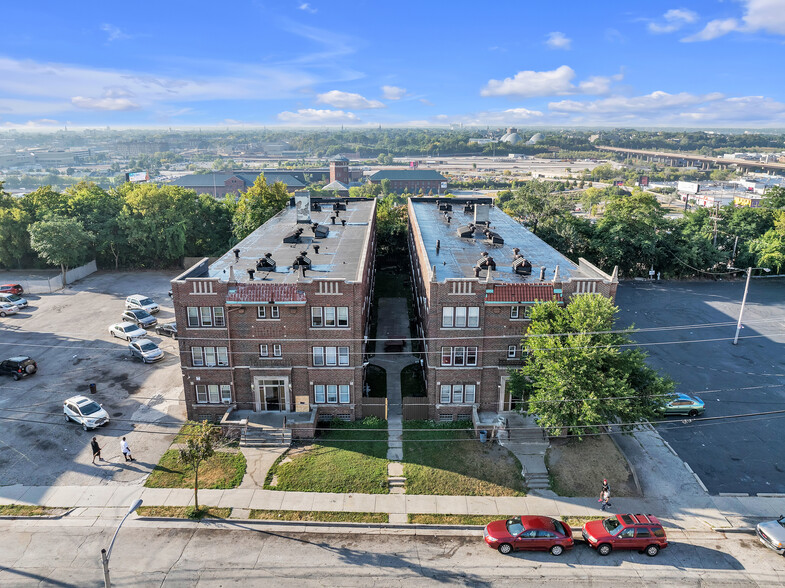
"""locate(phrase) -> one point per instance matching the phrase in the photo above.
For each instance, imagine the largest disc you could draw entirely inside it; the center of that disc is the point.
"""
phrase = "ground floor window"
(331, 393)
(213, 393)
(458, 393)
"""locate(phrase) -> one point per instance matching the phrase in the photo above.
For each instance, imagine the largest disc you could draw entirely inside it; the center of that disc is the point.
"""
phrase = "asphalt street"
(728, 454)
(206, 556)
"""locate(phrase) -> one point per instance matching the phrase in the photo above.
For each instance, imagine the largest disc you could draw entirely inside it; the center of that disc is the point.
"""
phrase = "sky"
(289, 63)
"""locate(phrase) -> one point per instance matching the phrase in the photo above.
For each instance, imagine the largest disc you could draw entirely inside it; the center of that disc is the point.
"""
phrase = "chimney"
(542, 273)
(231, 274)
(237, 255)
(302, 202)
(433, 273)
(251, 273)
(556, 274)
(481, 214)
(438, 246)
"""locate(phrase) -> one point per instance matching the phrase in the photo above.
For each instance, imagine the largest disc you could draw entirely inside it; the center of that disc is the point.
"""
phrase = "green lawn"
(222, 470)
(376, 378)
(445, 459)
(349, 457)
(412, 383)
(321, 516)
(28, 510)
(184, 512)
(449, 519)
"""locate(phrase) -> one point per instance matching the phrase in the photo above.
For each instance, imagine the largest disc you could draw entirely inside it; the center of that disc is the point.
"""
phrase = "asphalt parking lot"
(67, 335)
(729, 454)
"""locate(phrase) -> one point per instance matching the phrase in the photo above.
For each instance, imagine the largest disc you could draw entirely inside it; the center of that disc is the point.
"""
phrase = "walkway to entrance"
(393, 324)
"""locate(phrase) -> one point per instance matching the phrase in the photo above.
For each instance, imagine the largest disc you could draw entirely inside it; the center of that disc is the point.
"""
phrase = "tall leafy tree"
(99, 211)
(577, 376)
(61, 241)
(774, 198)
(14, 236)
(535, 202)
(392, 221)
(257, 205)
(199, 447)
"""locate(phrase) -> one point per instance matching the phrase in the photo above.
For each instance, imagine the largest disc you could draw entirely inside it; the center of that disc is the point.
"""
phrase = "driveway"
(67, 334)
(729, 454)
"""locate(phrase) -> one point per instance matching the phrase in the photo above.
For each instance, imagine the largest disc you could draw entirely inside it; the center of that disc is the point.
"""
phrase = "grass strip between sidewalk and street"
(451, 519)
(320, 516)
(184, 512)
(222, 470)
(446, 459)
(29, 510)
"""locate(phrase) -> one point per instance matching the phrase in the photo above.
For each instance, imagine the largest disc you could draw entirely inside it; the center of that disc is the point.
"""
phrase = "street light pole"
(744, 300)
(105, 555)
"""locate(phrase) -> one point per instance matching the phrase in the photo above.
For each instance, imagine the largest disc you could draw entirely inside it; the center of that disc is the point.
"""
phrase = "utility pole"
(744, 300)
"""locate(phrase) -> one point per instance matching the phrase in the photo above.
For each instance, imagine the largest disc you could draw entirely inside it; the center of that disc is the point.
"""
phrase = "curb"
(739, 530)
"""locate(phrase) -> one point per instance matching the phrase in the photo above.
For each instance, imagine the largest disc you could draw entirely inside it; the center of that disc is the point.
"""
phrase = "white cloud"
(425, 101)
(114, 33)
(393, 92)
(557, 40)
(41, 122)
(714, 29)
(673, 20)
(766, 16)
(656, 101)
(105, 103)
(312, 116)
(347, 100)
(307, 8)
(533, 83)
(557, 82)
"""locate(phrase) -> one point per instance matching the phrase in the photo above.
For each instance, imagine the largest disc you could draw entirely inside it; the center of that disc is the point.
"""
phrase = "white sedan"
(127, 331)
(84, 411)
(7, 308)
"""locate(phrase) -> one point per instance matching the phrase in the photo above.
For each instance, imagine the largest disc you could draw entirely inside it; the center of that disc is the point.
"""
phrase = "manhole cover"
(117, 414)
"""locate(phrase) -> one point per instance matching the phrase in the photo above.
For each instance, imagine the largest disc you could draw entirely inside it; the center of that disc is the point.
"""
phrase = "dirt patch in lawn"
(577, 468)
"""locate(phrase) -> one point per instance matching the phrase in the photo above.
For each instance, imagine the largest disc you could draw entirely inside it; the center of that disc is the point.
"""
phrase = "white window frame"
(219, 320)
(457, 393)
(473, 317)
(197, 359)
(317, 316)
(201, 394)
(447, 317)
(446, 356)
(319, 394)
(445, 394)
(261, 312)
(206, 317)
(460, 317)
(226, 394)
(471, 351)
(459, 356)
(511, 351)
(332, 394)
(331, 356)
(343, 393)
(209, 357)
(470, 393)
(222, 355)
(193, 316)
(343, 356)
(277, 350)
(318, 356)
(264, 350)
(329, 317)
(514, 312)
(214, 393)
(342, 316)
(275, 312)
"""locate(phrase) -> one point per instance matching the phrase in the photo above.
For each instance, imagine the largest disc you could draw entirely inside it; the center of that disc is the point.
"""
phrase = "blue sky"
(709, 63)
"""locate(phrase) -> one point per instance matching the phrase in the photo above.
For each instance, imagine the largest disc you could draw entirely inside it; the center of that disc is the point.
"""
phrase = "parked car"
(127, 331)
(167, 329)
(84, 411)
(146, 350)
(530, 533)
(13, 299)
(12, 288)
(772, 534)
(684, 404)
(140, 317)
(7, 308)
(641, 532)
(139, 302)
(18, 367)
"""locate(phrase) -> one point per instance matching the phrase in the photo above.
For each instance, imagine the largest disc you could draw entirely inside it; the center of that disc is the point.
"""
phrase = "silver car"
(139, 302)
(146, 350)
(14, 299)
(7, 308)
(127, 331)
(141, 317)
(84, 411)
(772, 534)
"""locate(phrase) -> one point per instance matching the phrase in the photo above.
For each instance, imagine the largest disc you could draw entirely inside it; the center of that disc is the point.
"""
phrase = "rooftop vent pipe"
(250, 273)
(542, 273)
(316, 249)
(237, 255)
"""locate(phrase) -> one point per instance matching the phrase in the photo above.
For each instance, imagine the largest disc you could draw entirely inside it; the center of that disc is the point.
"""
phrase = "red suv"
(626, 531)
(11, 288)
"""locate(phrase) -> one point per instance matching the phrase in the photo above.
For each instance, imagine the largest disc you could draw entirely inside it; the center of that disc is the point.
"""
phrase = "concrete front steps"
(264, 436)
(395, 480)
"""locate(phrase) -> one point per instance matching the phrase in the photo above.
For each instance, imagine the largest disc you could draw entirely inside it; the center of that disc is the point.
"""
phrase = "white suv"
(139, 302)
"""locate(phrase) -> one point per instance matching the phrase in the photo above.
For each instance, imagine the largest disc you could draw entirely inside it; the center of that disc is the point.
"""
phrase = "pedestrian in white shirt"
(126, 450)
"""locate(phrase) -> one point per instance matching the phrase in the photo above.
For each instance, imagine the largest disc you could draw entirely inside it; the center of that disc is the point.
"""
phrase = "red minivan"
(641, 532)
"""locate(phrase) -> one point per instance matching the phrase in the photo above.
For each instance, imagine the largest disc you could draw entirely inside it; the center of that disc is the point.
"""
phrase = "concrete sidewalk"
(692, 513)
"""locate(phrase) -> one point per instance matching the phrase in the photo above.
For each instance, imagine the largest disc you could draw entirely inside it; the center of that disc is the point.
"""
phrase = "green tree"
(199, 447)
(392, 221)
(98, 210)
(535, 202)
(386, 185)
(61, 241)
(774, 198)
(769, 249)
(257, 205)
(578, 378)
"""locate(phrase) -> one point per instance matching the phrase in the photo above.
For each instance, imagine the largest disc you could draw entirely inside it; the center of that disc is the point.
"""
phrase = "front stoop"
(395, 480)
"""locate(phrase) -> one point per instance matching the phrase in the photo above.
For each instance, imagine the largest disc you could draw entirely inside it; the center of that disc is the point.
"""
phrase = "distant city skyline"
(250, 63)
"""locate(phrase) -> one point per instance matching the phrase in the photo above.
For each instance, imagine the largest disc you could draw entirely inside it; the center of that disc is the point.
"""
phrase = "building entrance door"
(505, 397)
(272, 394)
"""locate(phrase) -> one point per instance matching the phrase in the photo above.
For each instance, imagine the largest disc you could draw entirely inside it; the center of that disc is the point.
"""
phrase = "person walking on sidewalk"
(96, 450)
(126, 450)
(604, 497)
(606, 489)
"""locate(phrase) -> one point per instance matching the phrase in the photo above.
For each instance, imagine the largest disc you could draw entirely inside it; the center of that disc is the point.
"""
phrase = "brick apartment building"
(411, 180)
(279, 323)
(477, 273)
(219, 185)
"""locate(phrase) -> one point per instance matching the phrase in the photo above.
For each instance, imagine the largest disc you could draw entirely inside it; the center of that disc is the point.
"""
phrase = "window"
(658, 532)
(261, 312)
(209, 356)
(470, 393)
(226, 393)
(193, 316)
(343, 393)
(520, 312)
(218, 315)
(343, 356)
(318, 356)
(511, 351)
(643, 533)
(514, 312)
(445, 393)
(459, 356)
(332, 393)
(457, 393)
(460, 317)
(263, 351)
(275, 312)
(213, 393)
(207, 316)
(196, 356)
(330, 316)
(318, 393)
(277, 350)
(201, 393)
(330, 356)
(223, 355)
(627, 533)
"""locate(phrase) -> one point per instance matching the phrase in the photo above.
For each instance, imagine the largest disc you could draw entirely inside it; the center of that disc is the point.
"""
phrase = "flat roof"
(457, 256)
(341, 254)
